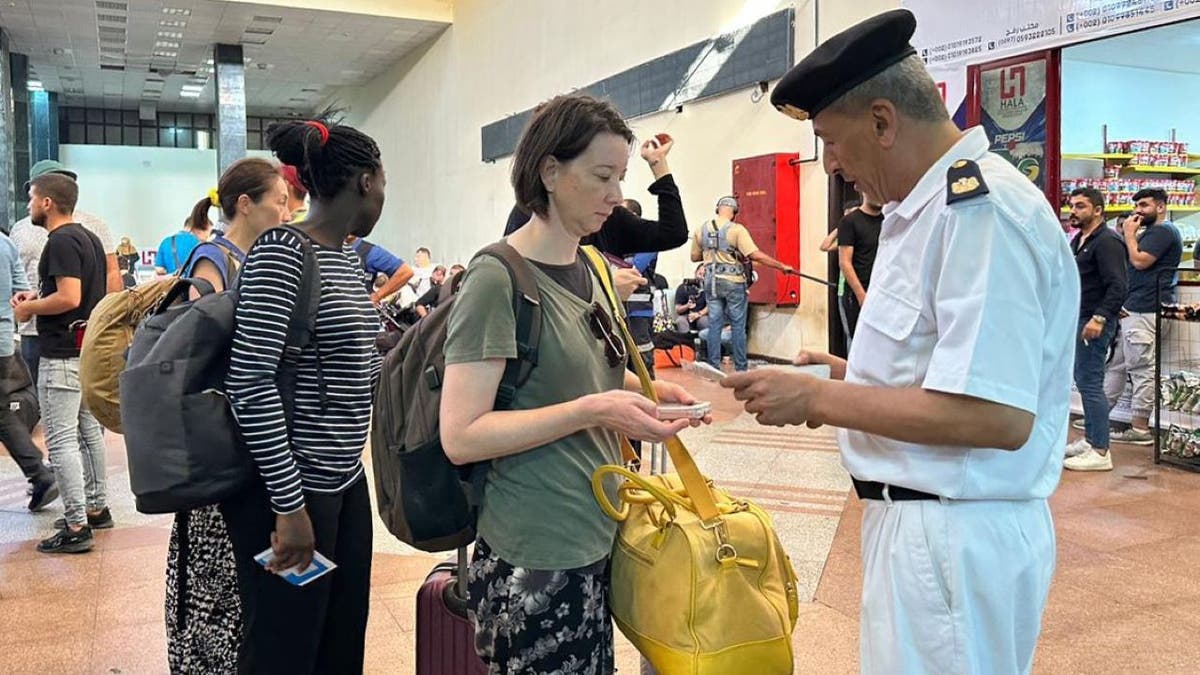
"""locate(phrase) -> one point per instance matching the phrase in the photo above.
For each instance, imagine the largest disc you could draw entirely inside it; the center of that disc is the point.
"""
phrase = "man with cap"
(952, 407)
(30, 241)
(724, 245)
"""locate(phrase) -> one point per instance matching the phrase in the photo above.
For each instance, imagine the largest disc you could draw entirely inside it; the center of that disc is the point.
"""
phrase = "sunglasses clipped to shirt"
(602, 327)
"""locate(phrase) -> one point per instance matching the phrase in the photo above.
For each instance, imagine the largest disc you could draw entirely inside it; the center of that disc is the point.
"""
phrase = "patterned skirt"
(204, 613)
(539, 622)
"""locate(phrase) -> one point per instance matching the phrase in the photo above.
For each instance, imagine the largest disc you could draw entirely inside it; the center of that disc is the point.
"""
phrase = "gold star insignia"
(959, 164)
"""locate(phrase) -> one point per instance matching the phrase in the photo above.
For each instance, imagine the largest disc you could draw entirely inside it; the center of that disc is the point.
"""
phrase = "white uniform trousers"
(954, 587)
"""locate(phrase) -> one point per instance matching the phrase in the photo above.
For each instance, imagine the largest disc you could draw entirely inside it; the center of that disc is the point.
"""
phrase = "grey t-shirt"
(538, 509)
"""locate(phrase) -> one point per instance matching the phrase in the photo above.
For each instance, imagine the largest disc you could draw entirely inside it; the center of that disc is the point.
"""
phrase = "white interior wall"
(1135, 103)
(142, 193)
(504, 56)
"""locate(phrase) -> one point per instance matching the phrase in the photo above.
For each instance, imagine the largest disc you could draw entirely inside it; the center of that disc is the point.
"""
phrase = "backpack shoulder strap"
(527, 309)
(234, 258)
(302, 326)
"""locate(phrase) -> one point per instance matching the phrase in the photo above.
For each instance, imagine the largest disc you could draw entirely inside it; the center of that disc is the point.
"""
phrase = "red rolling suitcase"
(445, 636)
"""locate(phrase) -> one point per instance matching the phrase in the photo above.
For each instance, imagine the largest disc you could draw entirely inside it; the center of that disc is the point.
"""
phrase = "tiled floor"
(1124, 599)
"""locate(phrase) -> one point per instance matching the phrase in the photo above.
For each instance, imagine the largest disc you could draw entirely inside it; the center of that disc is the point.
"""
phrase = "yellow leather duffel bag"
(700, 582)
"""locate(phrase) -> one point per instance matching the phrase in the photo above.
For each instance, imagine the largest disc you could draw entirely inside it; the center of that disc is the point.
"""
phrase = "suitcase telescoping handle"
(455, 595)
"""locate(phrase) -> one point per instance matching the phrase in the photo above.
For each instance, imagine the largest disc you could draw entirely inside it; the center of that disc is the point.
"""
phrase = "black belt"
(869, 489)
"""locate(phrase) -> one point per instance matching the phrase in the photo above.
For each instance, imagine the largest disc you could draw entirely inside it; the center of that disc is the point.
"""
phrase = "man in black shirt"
(427, 302)
(1100, 255)
(858, 238)
(691, 307)
(72, 273)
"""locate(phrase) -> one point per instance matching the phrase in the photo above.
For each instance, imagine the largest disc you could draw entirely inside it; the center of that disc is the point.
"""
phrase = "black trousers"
(319, 628)
(851, 308)
(15, 436)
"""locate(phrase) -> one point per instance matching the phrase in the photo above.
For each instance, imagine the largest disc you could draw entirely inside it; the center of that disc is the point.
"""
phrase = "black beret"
(843, 62)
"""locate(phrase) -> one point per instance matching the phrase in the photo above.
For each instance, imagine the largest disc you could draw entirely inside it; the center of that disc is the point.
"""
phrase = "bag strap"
(302, 324)
(179, 290)
(527, 309)
(693, 482)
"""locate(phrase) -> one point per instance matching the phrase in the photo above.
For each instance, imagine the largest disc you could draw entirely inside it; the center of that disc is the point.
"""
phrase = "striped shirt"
(324, 451)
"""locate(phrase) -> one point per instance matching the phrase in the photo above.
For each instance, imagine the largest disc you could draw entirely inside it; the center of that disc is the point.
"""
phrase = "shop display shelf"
(1173, 170)
(1115, 156)
(1128, 208)
(1176, 351)
(1192, 464)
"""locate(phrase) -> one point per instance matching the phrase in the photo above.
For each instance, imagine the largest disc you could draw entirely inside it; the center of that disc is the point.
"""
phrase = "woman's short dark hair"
(562, 128)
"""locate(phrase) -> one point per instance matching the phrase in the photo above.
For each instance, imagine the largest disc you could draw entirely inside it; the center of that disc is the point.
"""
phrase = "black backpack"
(181, 437)
(18, 385)
(424, 499)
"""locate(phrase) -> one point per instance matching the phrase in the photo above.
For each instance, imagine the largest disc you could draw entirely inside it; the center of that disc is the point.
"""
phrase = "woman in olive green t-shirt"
(538, 579)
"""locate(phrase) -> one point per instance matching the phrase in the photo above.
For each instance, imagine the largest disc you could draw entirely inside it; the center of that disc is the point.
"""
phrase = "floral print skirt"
(540, 622)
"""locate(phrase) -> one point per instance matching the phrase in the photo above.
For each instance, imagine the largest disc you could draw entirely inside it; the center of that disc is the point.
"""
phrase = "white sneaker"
(1077, 448)
(1090, 461)
(1078, 424)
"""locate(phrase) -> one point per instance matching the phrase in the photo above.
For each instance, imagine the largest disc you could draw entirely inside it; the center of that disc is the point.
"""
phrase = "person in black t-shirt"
(1154, 248)
(429, 300)
(72, 272)
(858, 238)
(691, 307)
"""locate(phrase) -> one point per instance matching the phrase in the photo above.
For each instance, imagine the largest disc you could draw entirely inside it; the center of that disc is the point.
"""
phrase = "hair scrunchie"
(321, 128)
(214, 196)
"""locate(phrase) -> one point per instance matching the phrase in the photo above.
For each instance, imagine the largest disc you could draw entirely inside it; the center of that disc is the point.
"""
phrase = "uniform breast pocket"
(888, 343)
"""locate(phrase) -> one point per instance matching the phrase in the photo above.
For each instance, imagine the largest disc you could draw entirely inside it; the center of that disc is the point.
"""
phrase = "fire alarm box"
(768, 192)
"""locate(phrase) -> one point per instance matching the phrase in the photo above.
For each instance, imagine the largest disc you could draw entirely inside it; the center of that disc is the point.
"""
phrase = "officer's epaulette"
(964, 181)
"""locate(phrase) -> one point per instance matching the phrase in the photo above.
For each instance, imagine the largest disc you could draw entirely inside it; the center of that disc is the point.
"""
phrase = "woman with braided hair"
(314, 494)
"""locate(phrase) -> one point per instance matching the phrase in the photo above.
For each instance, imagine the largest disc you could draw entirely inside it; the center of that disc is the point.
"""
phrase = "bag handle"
(662, 496)
(693, 482)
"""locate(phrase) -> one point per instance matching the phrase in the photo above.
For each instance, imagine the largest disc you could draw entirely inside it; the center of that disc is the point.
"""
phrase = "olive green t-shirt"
(538, 509)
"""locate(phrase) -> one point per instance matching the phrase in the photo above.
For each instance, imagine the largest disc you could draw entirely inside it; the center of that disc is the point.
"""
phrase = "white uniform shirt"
(981, 298)
(31, 239)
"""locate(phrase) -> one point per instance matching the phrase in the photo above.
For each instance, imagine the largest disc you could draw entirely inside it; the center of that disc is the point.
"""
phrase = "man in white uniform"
(953, 405)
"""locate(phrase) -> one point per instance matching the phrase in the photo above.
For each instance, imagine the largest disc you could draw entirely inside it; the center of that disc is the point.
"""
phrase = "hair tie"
(321, 128)
(214, 196)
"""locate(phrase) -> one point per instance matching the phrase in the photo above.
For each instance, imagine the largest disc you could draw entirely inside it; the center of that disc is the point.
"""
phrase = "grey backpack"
(180, 434)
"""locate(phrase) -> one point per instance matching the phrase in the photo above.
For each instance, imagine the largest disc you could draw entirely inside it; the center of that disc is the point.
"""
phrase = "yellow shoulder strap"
(693, 482)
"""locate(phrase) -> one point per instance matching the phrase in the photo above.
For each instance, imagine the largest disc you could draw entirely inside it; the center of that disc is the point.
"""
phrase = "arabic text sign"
(986, 30)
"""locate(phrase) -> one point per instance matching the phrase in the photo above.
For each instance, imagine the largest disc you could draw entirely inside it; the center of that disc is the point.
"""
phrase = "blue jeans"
(74, 438)
(727, 301)
(1089, 380)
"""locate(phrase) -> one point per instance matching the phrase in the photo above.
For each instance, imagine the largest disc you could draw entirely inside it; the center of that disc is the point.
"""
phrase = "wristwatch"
(1099, 319)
